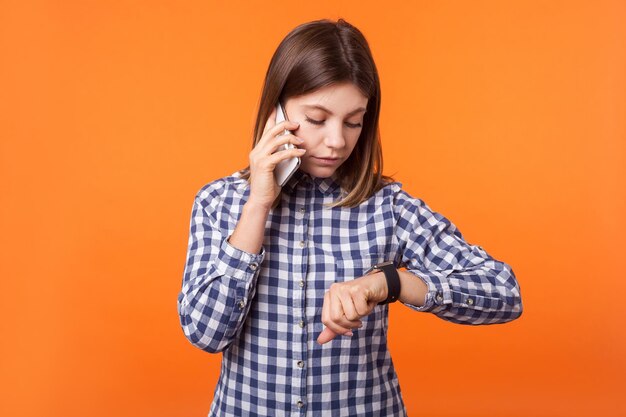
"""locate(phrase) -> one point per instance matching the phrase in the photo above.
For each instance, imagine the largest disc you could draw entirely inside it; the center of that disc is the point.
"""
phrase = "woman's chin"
(319, 172)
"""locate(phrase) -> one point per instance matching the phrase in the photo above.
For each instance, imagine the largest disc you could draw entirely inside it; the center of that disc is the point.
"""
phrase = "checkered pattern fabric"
(263, 311)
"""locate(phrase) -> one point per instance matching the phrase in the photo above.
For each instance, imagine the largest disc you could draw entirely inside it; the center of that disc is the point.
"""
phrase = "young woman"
(293, 283)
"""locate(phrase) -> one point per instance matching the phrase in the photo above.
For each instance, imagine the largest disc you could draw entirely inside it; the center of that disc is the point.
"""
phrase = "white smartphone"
(285, 168)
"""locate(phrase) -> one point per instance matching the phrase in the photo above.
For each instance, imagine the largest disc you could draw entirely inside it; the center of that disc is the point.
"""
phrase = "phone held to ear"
(285, 168)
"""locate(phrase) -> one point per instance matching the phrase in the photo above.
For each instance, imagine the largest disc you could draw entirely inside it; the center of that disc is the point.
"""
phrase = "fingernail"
(300, 139)
(349, 334)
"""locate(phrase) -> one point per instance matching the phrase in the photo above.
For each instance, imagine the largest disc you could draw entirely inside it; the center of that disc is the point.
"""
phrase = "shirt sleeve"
(219, 280)
(465, 284)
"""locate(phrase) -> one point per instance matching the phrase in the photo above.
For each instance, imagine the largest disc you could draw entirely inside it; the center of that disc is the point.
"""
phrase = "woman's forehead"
(345, 98)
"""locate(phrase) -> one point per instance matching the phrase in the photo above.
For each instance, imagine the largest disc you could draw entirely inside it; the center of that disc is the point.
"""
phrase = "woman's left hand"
(346, 302)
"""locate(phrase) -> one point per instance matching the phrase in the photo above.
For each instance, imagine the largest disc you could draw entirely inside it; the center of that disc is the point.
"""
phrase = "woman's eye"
(320, 122)
(315, 122)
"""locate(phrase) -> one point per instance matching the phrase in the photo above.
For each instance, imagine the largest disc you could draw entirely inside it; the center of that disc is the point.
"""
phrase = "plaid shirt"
(263, 311)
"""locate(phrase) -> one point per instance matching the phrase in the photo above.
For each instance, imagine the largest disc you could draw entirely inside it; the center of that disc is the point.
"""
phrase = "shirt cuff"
(438, 289)
(236, 263)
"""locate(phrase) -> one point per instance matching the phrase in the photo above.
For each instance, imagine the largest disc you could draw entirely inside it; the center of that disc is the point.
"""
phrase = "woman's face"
(331, 120)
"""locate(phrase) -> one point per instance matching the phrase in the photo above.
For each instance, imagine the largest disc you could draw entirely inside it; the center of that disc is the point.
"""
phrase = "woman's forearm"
(250, 230)
(412, 289)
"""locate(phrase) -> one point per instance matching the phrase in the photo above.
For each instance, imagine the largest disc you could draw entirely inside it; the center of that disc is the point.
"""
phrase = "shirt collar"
(300, 178)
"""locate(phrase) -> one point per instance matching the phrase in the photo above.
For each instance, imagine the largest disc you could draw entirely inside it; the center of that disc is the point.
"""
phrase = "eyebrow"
(317, 106)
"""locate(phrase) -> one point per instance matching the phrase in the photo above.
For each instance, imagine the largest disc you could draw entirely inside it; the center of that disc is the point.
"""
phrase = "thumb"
(326, 336)
(271, 121)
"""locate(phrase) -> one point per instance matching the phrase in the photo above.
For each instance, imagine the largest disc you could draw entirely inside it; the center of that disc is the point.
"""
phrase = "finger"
(349, 309)
(338, 314)
(326, 336)
(271, 121)
(327, 316)
(349, 324)
(270, 147)
(275, 158)
(342, 308)
(362, 306)
(278, 129)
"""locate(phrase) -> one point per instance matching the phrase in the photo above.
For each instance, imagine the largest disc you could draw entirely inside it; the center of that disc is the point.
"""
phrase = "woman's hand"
(346, 302)
(263, 159)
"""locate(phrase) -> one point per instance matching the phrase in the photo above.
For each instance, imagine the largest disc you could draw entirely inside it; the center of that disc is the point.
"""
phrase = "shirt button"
(302, 210)
(300, 404)
(470, 301)
(302, 243)
(300, 364)
(254, 266)
(301, 324)
(241, 304)
(301, 284)
(439, 297)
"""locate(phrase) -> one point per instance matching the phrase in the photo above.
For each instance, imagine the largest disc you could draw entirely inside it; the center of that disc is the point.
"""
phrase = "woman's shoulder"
(229, 187)
(388, 185)
(391, 188)
(392, 192)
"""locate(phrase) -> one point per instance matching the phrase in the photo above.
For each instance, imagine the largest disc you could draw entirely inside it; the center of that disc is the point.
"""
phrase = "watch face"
(378, 267)
(383, 264)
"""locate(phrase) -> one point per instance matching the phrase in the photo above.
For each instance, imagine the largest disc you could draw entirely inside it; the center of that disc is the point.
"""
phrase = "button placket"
(299, 267)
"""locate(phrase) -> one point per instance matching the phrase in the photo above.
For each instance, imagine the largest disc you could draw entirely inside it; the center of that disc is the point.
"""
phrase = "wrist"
(255, 206)
(379, 286)
(392, 280)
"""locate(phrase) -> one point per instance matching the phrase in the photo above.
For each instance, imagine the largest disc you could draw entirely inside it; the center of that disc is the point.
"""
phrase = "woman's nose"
(334, 138)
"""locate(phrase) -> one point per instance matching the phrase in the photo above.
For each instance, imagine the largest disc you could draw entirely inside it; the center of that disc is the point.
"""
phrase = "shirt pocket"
(349, 268)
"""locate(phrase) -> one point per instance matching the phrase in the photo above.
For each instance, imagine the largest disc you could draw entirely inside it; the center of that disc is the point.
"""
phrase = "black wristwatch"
(393, 280)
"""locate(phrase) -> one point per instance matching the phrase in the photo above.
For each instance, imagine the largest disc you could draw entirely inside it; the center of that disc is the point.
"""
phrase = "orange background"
(506, 117)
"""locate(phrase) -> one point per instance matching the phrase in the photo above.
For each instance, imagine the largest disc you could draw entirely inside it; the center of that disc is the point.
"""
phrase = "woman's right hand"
(263, 160)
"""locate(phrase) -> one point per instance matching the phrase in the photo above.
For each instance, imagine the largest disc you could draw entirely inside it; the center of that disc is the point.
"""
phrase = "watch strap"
(393, 281)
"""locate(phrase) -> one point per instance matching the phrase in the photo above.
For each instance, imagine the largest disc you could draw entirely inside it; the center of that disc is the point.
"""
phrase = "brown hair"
(312, 56)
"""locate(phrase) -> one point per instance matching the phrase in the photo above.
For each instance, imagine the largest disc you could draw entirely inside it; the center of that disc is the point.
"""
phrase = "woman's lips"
(326, 161)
